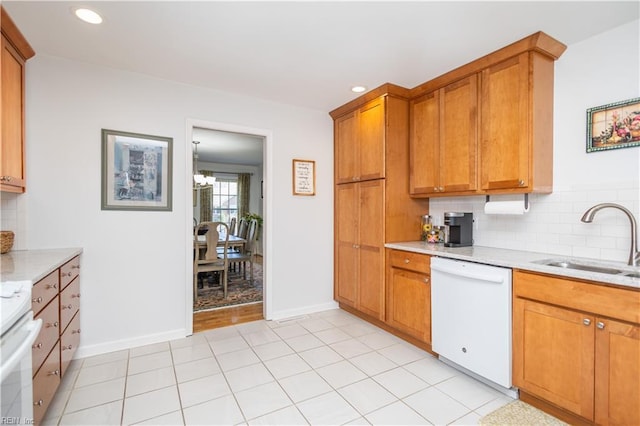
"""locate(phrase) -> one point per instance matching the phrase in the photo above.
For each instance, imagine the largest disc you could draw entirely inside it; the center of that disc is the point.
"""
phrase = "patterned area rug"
(239, 290)
(520, 413)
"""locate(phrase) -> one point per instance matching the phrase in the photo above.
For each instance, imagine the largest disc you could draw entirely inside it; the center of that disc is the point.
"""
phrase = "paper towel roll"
(505, 207)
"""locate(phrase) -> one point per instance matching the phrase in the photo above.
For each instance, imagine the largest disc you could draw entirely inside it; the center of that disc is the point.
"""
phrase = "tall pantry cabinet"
(372, 202)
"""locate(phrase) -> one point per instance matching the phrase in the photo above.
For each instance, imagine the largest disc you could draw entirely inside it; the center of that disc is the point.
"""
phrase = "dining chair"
(207, 258)
(232, 226)
(248, 251)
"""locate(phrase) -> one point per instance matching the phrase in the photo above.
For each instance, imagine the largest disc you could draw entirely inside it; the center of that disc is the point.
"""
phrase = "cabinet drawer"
(69, 342)
(69, 271)
(411, 261)
(44, 291)
(45, 383)
(48, 336)
(69, 303)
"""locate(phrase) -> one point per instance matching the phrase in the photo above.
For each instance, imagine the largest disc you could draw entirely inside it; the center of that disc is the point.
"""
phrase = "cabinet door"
(346, 143)
(409, 303)
(371, 129)
(346, 241)
(553, 355)
(505, 148)
(458, 136)
(424, 144)
(617, 392)
(12, 147)
(45, 383)
(371, 248)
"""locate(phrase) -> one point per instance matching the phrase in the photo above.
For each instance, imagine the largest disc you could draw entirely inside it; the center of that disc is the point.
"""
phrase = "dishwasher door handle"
(497, 279)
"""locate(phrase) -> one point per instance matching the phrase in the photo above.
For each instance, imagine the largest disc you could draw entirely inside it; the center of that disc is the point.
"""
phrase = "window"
(225, 199)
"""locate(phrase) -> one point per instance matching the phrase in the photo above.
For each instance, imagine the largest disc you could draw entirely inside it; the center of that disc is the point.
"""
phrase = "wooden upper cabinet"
(15, 52)
(359, 143)
(443, 140)
(516, 150)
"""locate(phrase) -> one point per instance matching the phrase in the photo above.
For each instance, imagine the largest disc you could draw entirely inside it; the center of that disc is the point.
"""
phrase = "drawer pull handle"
(50, 286)
(38, 403)
(75, 266)
(67, 348)
(600, 325)
(37, 300)
(66, 307)
(75, 331)
(38, 346)
(75, 295)
(407, 261)
(55, 324)
(586, 321)
(54, 373)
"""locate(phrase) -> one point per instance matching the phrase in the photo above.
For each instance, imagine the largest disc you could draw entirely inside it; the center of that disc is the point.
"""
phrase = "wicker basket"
(6, 241)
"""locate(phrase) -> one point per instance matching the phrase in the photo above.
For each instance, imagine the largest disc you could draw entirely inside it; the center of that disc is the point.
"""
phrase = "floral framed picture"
(612, 126)
(136, 171)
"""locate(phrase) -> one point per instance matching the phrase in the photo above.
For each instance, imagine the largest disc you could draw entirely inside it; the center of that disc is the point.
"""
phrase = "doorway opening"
(235, 157)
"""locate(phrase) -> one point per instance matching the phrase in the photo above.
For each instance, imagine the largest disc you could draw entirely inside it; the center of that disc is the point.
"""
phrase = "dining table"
(234, 241)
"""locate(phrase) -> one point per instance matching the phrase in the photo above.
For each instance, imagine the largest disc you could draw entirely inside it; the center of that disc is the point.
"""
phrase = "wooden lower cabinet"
(45, 384)
(580, 361)
(409, 294)
(69, 342)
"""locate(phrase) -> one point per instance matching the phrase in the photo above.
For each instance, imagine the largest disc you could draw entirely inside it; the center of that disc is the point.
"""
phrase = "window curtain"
(206, 195)
(244, 185)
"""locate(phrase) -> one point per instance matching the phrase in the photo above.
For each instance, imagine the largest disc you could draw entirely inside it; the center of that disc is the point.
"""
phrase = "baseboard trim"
(118, 345)
(279, 315)
(547, 407)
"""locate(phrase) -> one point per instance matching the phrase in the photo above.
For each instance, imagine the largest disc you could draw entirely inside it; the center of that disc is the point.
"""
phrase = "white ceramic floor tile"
(360, 421)
(396, 413)
(248, 377)
(204, 389)
(470, 419)
(149, 381)
(315, 324)
(304, 342)
(219, 411)
(94, 395)
(191, 353)
(272, 350)
(372, 363)
(432, 370)
(321, 356)
(231, 344)
(151, 404)
(196, 369)
(491, 406)
(341, 374)
(332, 335)
(436, 407)
(237, 359)
(400, 382)
(468, 391)
(149, 349)
(286, 366)
(328, 409)
(304, 386)
(378, 340)
(105, 414)
(222, 333)
(104, 358)
(170, 419)
(356, 330)
(367, 396)
(143, 363)
(101, 373)
(403, 353)
(350, 348)
(193, 340)
(290, 331)
(252, 327)
(261, 337)
(58, 403)
(285, 416)
(261, 400)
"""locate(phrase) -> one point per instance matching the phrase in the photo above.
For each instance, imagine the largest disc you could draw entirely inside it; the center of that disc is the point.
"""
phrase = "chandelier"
(199, 179)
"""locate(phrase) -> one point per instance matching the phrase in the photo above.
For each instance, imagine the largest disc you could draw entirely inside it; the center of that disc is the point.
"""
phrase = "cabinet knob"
(600, 325)
(55, 324)
(5, 179)
(75, 295)
(67, 348)
(37, 300)
(50, 286)
(407, 261)
(441, 188)
(586, 321)
(426, 280)
(521, 182)
(38, 346)
(75, 331)
(66, 306)
(54, 373)
(38, 403)
(75, 266)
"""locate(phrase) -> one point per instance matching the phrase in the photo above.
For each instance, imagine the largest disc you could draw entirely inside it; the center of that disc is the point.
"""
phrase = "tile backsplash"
(13, 217)
(552, 225)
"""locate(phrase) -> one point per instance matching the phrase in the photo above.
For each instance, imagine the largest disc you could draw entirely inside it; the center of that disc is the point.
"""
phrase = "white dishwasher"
(471, 318)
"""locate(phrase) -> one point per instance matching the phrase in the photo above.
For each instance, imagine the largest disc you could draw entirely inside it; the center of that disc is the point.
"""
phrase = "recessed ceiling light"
(88, 15)
(358, 89)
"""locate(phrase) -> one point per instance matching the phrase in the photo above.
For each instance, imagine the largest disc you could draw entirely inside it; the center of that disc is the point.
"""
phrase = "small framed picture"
(304, 177)
(612, 126)
(136, 171)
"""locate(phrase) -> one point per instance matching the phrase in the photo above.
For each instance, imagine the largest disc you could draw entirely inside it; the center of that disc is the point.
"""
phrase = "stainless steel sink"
(589, 267)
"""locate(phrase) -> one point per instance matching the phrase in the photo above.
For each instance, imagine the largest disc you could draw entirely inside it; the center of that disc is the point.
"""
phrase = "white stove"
(15, 298)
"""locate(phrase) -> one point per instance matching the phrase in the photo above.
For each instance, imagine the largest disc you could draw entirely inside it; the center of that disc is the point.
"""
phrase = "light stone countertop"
(33, 265)
(524, 260)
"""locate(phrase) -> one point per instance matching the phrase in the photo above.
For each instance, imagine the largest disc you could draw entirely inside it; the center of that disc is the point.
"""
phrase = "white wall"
(133, 267)
(584, 78)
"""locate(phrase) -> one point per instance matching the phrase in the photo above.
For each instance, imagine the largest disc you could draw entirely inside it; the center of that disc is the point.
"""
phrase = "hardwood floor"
(206, 320)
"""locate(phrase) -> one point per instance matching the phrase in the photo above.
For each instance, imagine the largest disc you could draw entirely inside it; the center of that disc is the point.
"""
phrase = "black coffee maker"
(458, 229)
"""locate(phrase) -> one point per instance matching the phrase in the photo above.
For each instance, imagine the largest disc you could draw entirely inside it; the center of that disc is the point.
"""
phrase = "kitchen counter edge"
(33, 265)
(516, 259)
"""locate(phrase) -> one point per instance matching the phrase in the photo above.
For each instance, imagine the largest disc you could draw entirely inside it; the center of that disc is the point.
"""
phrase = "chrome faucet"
(634, 255)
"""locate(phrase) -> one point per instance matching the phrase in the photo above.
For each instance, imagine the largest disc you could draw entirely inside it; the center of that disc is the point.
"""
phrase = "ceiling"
(228, 148)
(303, 53)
